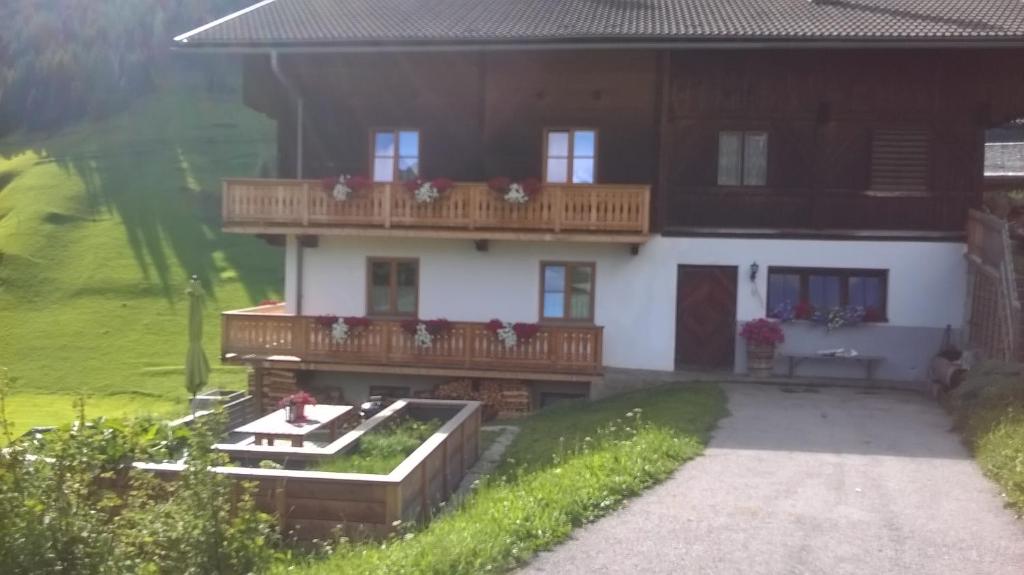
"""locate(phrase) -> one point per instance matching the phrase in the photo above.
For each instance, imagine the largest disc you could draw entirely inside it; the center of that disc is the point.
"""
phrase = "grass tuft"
(382, 448)
(575, 463)
(989, 411)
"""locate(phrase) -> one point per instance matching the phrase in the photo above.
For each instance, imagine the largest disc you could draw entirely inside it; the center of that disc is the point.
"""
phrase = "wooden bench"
(868, 361)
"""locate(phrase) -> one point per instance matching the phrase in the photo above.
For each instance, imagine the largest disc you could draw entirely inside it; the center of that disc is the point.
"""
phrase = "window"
(810, 289)
(899, 160)
(742, 158)
(570, 156)
(393, 287)
(567, 291)
(396, 155)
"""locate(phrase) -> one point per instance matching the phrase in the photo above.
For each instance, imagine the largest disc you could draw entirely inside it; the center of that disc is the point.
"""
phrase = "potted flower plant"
(761, 335)
(295, 406)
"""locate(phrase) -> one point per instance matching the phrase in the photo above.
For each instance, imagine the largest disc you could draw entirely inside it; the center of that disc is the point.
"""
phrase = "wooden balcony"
(589, 213)
(268, 337)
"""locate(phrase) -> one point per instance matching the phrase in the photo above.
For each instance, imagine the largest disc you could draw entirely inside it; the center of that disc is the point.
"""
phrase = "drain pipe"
(293, 93)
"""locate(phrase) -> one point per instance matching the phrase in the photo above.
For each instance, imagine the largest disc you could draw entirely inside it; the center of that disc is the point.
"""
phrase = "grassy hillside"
(100, 227)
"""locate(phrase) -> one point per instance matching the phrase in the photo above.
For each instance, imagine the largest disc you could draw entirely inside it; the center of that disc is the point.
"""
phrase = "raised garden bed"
(311, 504)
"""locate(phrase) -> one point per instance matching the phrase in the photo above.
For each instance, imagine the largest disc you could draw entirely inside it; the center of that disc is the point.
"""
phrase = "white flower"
(426, 193)
(423, 337)
(341, 191)
(340, 331)
(516, 194)
(507, 335)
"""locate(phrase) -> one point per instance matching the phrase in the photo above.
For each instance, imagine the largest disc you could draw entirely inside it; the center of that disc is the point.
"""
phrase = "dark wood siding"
(658, 115)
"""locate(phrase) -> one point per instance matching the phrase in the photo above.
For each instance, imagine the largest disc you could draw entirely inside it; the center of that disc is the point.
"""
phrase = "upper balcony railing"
(269, 334)
(599, 212)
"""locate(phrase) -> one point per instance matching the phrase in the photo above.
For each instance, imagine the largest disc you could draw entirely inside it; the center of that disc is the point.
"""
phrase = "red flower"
(434, 326)
(494, 325)
(762, 332)
(873, 314)
(499, 184)
(442, 184)
(803, 310)
(354, 322)
(525, 331)
(328, 184)
(326, 321)
(438, 326)
(412, 185)
(300, 397)
(359, 183)
(531, 186)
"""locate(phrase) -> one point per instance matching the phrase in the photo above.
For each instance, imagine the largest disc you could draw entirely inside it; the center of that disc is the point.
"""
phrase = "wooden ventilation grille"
(899, 161)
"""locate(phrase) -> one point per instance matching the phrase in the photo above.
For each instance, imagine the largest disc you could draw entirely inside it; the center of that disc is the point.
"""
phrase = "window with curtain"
(396, 155)
(827, 288)
(571, 156)
(567, 291)
(393, 287)
(742, 158)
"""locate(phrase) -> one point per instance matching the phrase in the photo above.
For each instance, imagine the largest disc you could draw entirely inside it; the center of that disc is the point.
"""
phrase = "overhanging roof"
(389, 24)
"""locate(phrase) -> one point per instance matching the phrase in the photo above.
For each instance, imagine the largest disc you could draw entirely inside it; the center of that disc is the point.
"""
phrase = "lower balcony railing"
(579, 209)
(266, 333)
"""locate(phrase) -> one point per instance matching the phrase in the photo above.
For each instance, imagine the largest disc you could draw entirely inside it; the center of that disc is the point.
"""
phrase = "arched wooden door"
(706, 317)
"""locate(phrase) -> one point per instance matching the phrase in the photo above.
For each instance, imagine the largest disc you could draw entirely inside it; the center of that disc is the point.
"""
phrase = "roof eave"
(689, 43)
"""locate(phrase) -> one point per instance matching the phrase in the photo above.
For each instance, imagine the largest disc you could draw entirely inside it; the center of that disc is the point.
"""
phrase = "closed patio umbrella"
(197, 368)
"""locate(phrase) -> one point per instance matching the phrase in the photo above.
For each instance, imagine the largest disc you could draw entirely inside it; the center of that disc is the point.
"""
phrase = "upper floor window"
(567, 291)
(899, 160)
(570, 156)
(396, 155)
(821, 289)
(742, 158)
(393, 286)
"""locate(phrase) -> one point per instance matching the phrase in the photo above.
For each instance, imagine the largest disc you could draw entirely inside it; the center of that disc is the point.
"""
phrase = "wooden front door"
(706, 316)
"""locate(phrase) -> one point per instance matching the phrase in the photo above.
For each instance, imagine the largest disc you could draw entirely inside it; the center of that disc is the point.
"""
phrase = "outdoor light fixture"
(753, 271)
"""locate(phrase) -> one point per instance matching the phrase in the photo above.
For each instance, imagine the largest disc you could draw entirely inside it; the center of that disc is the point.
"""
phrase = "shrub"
(77, 506)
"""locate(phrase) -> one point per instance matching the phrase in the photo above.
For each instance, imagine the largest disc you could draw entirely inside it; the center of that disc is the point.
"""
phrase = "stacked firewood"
(277, 384)
(499, 398)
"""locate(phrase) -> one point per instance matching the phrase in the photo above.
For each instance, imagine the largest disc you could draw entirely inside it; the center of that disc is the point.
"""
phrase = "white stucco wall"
(636, 295)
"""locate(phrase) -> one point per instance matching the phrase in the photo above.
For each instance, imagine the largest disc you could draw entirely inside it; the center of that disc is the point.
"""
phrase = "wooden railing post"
(305, 203)
(387, 205)
(645, 211)
(559, 207)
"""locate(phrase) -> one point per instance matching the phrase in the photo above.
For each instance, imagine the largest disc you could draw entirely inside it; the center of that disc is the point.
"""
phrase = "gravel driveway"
(827, 480)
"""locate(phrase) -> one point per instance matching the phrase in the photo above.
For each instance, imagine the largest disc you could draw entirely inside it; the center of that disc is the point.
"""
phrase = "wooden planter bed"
(311, 504)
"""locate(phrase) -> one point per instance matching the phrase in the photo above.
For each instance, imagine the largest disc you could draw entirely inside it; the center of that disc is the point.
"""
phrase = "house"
(701, 163)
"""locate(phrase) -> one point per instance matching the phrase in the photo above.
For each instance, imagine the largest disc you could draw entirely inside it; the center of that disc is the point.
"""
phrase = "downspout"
(294, 94)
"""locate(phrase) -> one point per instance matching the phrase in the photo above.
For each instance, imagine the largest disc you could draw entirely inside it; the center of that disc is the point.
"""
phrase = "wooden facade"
(659, 115)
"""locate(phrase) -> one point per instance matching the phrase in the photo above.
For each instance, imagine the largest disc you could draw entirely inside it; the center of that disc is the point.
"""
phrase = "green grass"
(100, 227)
(625, 444)
(382, 448)
(989, 412)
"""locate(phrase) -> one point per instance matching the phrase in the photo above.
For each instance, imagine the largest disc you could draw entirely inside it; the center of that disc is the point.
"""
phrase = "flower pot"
(760, 359)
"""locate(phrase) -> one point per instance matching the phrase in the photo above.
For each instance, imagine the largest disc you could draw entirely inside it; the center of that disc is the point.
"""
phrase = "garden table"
(275, 425)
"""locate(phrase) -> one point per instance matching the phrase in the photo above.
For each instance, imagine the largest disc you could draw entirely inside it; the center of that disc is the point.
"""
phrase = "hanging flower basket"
(761, 335)
(425, 331)
(514, 192)
(512, 334)
(342, 187)
(428, 191)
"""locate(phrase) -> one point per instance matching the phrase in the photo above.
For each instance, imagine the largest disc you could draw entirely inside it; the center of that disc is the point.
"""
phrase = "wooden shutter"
(899, 161)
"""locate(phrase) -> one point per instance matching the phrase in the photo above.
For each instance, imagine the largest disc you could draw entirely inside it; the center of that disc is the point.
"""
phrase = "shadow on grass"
(156, 167)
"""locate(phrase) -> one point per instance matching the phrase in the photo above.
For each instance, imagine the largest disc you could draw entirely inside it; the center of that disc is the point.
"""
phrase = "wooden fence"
(470, 206)
(469, 345)
(993, 307)
(311, 504)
